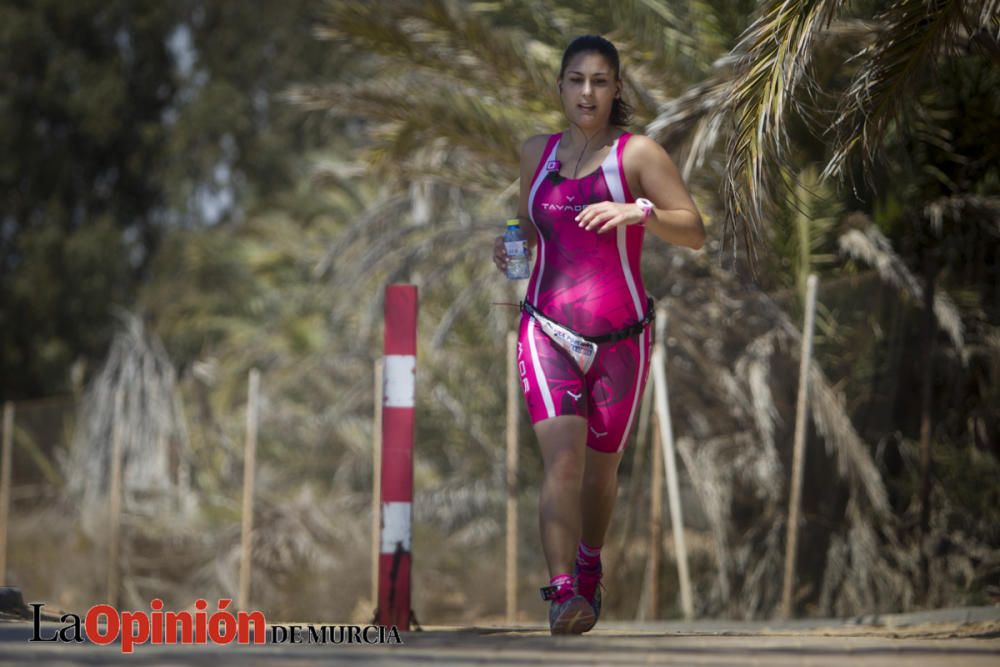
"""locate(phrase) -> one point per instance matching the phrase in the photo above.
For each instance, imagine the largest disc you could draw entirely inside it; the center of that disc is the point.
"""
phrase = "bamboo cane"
(377, 475)
(249, 465)
(798, 456)
(115, 499)
(634, 482)
(5, 477)
(655, 523)
(512, 463)
(670, 462)
(926, 461)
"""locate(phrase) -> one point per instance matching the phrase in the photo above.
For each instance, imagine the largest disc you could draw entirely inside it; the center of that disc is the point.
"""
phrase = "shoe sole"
(597, 615)
(597, 594)
(575, 619)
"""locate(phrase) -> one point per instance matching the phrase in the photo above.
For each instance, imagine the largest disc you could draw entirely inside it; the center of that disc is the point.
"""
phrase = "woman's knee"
(600, 471)
(599, 482)
(565, 467)
(563, 444)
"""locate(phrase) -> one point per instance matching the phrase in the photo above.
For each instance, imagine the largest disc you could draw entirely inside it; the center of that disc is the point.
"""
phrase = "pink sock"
(564, 586)
(588, 557)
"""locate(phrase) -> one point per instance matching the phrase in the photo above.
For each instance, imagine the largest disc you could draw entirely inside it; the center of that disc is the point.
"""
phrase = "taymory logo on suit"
(546, 206)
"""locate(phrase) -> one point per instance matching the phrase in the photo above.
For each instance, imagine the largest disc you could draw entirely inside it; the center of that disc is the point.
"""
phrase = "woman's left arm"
(674, 218)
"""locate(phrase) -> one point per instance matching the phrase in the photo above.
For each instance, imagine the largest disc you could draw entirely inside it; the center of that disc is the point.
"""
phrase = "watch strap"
(646, 206)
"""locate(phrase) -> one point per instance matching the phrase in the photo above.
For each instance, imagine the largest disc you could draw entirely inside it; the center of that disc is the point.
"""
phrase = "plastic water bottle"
(517, 251)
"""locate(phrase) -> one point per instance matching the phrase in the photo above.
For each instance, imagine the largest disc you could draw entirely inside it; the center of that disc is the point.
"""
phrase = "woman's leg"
(615, 382)
(563, 444)
(553, 389)
(597, 502)
(598, 494)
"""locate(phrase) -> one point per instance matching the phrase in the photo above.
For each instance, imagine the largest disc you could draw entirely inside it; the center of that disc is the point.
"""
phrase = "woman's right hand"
(500, 254)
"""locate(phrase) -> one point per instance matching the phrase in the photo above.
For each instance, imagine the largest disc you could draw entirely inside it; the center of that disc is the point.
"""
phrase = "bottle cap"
(514, 223)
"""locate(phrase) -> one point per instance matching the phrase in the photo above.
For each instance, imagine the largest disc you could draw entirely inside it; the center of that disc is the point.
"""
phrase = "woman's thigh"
(615, 384)
(553, 385)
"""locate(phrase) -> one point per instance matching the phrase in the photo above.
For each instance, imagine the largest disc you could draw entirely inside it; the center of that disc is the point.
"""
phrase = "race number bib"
(582, 351)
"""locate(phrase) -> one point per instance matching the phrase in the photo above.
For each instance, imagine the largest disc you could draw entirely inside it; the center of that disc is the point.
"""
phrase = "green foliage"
(84, 89)
(120, 120)
(233, 137)
(968, 477)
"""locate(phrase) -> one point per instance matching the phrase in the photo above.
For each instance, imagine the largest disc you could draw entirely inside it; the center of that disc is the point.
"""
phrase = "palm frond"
(985, 29)
(754, 365)
(691, 125)
(777, 50)
(675, 39)
(441, 37)
(964, 208)
(457, 40)
(873, 248)
(713, 485)
(426, 111)
(989, 13)
(911, 36)
(494, 55)
(133, 399)
(853, 459)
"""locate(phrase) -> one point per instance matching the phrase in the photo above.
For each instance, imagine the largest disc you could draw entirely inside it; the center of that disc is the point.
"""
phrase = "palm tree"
(775, 83)
(770, 80)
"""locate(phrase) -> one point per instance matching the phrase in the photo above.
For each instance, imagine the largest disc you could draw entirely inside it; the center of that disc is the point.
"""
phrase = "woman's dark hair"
(621, 111)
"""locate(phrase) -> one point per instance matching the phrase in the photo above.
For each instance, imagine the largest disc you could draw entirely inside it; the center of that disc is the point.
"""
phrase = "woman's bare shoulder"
(640, 144)
(531, 149)
(638, 151)
(642, 149)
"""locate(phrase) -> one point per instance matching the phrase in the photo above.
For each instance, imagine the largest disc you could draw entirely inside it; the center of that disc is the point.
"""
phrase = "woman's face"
(588, 89)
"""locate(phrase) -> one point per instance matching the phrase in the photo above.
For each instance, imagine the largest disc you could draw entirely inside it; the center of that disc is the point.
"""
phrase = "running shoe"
(572, 616)
(588, 586)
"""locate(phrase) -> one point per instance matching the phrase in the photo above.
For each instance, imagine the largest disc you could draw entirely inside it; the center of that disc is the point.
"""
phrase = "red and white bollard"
(397, 455)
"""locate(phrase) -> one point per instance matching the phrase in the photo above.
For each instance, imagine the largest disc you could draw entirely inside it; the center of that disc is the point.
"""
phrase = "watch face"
(644, 203)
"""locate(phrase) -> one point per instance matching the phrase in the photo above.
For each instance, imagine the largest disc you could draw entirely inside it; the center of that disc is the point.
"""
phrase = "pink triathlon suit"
(590, 283)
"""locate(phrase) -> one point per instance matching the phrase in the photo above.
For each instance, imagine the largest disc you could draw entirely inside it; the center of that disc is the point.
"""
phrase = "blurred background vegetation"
(197, 188)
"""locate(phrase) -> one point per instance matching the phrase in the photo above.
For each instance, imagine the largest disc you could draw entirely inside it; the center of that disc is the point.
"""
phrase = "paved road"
(953, 644)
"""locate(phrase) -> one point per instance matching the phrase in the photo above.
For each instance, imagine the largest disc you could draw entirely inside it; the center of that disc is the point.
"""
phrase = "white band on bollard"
(395, 526)
(400, 380)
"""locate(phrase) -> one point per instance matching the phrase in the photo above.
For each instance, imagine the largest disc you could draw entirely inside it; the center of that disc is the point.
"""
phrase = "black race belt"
(613, 337)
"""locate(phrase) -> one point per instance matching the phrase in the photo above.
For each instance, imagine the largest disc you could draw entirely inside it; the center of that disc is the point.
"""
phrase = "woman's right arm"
(531, 153)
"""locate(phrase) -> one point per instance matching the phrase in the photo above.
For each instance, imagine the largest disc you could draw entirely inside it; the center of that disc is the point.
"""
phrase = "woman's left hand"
(605, 216)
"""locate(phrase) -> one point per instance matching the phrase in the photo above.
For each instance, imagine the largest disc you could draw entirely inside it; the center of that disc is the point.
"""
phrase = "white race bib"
(582, 351)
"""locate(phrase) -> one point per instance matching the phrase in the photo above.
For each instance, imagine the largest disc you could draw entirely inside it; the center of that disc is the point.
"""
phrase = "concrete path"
(953, 638)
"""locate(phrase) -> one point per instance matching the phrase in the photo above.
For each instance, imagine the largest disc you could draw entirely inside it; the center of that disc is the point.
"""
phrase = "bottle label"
(516, 248)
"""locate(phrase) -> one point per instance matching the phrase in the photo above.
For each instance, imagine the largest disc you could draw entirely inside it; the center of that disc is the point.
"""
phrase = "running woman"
(588, 194)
